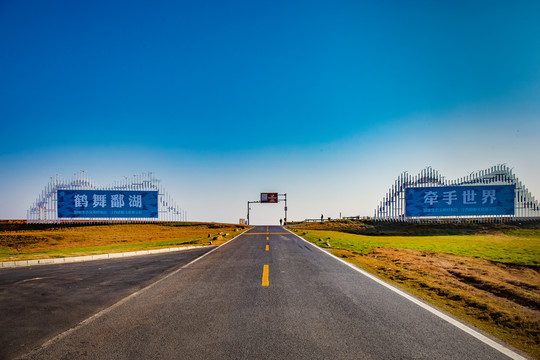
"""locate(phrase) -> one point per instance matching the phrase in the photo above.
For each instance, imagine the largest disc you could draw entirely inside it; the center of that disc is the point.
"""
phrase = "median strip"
(64, 260)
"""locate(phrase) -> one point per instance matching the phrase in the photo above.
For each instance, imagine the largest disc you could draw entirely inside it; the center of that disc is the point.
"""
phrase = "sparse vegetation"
(489, 275)
(364, 227)
(23, 242)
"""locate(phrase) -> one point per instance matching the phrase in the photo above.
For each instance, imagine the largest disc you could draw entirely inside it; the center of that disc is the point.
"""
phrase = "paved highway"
(39, 302)
(266, 295)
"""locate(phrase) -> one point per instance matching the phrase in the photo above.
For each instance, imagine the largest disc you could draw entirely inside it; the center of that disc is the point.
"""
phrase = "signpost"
(271, 198)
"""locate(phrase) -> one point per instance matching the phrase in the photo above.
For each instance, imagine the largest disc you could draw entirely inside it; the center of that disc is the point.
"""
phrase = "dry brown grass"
(25, 244)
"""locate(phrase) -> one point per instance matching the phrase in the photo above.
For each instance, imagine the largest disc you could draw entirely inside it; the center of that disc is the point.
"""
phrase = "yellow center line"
(265, 281)
(267, 238)
(267, 247)
(266, 234)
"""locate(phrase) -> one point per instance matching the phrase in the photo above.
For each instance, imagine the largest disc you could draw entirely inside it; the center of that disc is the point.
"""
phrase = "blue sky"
(327, 101)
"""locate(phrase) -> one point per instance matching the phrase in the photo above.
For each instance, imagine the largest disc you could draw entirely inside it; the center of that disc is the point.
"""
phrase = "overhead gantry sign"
(271, 198)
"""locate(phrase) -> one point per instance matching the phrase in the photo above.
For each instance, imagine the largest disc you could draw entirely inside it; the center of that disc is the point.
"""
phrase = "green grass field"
(520, 247)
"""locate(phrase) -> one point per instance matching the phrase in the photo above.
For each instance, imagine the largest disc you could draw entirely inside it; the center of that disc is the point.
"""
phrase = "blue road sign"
(460, 200)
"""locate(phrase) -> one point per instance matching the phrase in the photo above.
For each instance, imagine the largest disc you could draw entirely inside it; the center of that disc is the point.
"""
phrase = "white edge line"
(117, 304)
(506, 351)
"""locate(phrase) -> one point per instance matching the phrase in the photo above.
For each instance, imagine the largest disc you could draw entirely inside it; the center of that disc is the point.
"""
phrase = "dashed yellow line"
(265, 281)
(266, 234)
(267, 247)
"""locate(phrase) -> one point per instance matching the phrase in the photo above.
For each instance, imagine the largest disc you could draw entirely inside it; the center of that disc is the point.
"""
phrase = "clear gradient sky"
(328, 101)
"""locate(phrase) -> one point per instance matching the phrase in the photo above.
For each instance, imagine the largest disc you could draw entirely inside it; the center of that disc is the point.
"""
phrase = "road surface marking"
(34, 279)
(267, 238)
(265, 276)
(267, 247)
(121, 302)
(503, 349)
(280, 233)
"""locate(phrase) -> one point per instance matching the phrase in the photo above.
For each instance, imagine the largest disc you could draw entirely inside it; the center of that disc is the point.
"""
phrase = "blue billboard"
(478, 200)
(107, 204)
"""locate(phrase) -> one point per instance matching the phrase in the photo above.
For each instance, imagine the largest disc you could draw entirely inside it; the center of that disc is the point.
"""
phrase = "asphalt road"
(40, 302)
(307, 305)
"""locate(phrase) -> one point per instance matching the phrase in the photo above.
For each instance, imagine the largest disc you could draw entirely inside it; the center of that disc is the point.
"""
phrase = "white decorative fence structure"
(393, 205)
(45, 207)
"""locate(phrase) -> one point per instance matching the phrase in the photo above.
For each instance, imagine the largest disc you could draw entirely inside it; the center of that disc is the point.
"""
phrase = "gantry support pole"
(250, 202)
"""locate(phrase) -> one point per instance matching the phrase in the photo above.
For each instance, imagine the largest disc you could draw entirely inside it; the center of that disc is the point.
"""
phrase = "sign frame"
(106, 204)
(269, 198)
(467, 200)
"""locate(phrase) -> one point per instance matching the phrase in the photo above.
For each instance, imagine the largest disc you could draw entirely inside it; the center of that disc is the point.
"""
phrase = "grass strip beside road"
(512, 249)
(92, 240)
(490, 281)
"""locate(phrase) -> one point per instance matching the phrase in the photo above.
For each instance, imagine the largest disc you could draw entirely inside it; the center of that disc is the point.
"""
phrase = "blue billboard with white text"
(477, 200)
(107, 204)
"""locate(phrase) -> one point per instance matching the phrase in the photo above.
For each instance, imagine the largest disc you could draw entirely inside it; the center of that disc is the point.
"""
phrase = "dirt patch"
(503, 299)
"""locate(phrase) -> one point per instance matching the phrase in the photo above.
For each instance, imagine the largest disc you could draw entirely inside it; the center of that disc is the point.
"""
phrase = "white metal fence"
(45, 207)
(392, 207)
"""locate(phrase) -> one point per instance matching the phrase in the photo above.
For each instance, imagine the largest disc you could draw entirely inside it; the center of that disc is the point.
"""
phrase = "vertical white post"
(53, 196)
(395, 200)
(521, 200)
(392, 195)
(160, 202)
(398, 200)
